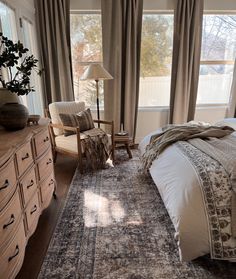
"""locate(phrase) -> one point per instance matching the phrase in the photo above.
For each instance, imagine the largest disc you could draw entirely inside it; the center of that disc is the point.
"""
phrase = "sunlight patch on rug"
(99, 211)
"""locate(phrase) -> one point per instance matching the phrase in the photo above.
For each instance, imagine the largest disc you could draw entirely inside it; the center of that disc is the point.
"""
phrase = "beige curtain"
(53, 23)
(186, 60)
(121, 32)
(231, 110)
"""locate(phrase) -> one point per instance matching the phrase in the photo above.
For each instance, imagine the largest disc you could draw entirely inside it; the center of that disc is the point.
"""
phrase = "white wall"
(22, 8)
(151, 119)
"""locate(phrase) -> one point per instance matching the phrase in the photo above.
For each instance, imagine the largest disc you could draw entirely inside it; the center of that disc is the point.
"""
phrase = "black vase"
(13, 116)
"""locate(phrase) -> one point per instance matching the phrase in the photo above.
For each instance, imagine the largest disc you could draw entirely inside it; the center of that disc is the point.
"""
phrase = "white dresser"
(27, 184)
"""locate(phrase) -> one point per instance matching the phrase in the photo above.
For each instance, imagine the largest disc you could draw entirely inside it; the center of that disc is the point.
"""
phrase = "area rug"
(115, 226)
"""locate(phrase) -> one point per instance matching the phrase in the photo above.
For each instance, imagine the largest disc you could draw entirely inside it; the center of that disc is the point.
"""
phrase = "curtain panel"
(53, 24)
(121, 32)
(231, 110)
(188, 17)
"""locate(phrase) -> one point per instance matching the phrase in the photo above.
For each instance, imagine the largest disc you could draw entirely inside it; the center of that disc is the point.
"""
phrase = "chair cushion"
(70, 143)
(85, 120)
(63, 107)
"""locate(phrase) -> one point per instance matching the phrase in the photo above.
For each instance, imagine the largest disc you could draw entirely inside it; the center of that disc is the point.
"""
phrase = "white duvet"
(179, 187)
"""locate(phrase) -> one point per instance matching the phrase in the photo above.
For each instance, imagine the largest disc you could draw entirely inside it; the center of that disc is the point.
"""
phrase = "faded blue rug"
(115, 226)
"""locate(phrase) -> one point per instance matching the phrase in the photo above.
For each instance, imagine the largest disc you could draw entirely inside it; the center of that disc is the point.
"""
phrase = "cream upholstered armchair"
(72, 145)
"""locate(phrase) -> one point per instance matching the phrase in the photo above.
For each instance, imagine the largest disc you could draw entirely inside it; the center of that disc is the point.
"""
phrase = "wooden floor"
(38, 243)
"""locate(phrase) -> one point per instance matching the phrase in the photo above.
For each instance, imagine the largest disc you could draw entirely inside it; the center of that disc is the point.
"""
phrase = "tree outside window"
(86, 44)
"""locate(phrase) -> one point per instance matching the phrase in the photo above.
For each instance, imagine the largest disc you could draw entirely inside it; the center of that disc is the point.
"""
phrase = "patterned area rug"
(115, 226)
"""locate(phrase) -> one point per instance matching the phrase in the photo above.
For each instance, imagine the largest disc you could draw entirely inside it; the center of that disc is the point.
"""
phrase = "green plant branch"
(10, 54)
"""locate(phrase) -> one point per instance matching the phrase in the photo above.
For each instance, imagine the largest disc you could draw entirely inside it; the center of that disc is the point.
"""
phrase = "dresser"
(27, 185)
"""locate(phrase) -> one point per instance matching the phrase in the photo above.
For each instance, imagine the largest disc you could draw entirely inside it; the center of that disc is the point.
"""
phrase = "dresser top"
(10, 141)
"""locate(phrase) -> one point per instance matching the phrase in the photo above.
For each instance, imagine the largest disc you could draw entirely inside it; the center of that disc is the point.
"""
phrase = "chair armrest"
(103, 122)
(68, 128)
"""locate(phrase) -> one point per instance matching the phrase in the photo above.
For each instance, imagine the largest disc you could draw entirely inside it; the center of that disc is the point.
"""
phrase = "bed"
(179, 186)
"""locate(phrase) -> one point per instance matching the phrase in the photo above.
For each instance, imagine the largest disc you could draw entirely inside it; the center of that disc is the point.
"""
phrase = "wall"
(22, 8)
(151, 119)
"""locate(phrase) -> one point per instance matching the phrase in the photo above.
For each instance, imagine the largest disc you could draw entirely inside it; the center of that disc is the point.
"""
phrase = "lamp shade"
(95, 72)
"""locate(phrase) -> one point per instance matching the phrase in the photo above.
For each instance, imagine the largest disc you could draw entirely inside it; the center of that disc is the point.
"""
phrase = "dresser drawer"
(9, 218)
(12, 258)
(42, 142)
(7, 182)
(24, 157)
(28, 185)
(47, 188)
(32, 212)
(45, 165)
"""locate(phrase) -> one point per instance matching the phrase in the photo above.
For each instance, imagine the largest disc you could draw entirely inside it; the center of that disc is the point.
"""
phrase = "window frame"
(27, 13)
(156, 12)
(215, 62)
(81, 63)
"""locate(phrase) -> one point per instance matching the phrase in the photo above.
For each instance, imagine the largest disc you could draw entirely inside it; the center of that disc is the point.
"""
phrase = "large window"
(86, 44)
(27, 36)
(156, 56)
(217, 59)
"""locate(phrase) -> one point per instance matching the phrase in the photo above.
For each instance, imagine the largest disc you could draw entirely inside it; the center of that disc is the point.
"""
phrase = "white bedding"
(179, 187)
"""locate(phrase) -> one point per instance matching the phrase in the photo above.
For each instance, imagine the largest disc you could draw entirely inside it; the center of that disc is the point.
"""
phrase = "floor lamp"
(96, 72)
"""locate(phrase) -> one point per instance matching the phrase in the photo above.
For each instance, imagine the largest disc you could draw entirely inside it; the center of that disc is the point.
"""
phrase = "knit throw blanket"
(96, 147)
(172, 134)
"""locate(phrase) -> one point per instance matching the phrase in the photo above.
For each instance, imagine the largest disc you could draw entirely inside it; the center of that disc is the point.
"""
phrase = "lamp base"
(122, 133)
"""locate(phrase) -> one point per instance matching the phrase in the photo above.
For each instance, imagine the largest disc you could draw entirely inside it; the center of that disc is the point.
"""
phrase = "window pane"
(34, 100)
(8, 22)
(219, 37)
(156, 56)
(86, 44)
(214, 84)
(218, 44)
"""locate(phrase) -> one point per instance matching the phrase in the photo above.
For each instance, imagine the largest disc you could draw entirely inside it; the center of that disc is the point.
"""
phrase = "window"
(217, 59)
(9, 29)
(156, 56)
(8, 22)
(86, 45)
(33, 100)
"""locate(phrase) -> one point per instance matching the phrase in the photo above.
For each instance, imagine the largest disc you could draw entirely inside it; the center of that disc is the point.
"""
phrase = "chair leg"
(54, 156)
(81, 165)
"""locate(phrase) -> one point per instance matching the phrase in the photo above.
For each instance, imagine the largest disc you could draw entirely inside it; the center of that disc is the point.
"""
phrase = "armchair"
(71, 145)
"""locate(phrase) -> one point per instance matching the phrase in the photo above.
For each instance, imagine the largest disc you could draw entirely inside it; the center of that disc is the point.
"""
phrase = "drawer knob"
(49, 161)
(31, 184)
(17, 250)
(11, 221)
(5, 185)
(46, 139)
(51, 182)
(25, 157)
(33, 209)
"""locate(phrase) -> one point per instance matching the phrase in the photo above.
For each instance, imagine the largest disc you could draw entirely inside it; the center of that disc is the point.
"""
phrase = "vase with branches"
(16, 69)
(20, 66)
